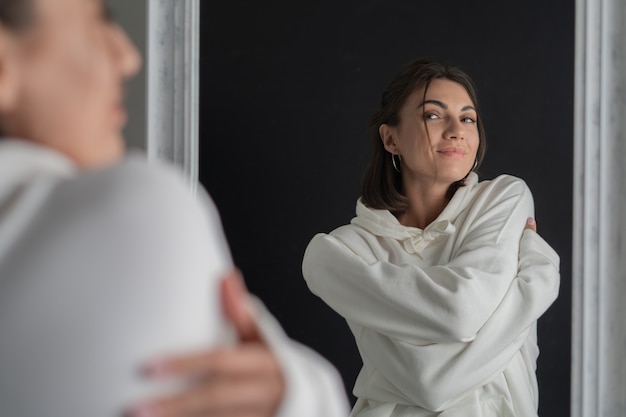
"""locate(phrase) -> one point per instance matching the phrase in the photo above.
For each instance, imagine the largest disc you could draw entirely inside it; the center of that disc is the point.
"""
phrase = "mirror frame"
(173, 71)
(598, 380)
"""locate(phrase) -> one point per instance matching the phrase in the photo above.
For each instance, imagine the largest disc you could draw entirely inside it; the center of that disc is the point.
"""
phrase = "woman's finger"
(236, 304)
(252, 396)
(250, 358)
(531, 224)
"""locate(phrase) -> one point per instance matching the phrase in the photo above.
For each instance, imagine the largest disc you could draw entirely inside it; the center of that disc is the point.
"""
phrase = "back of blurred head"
(63, 64)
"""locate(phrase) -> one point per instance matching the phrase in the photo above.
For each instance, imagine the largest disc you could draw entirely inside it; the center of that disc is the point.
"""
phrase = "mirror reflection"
(287, 92)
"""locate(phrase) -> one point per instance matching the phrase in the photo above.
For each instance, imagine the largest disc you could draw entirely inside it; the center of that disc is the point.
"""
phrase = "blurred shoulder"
(130, 204)
(132, 186)
(134, 178)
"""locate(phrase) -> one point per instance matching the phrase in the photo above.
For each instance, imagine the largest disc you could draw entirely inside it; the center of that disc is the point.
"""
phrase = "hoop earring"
(396, 165)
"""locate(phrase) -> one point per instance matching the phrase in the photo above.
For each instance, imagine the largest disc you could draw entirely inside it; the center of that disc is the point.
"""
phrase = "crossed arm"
(453, 325)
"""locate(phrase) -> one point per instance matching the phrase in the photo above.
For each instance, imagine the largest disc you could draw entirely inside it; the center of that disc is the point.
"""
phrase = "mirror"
(286, 91)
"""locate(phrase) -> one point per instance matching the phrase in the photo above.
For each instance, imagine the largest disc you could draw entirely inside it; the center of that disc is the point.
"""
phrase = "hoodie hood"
(22, 162)
(384, 224)
(28, 173)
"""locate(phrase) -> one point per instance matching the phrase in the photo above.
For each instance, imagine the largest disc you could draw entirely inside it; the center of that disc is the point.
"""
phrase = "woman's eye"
(468, 120)
(430, 116)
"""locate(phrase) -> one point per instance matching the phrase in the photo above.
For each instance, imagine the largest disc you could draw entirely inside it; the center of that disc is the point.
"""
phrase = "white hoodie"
(102, 271)
(445, 317)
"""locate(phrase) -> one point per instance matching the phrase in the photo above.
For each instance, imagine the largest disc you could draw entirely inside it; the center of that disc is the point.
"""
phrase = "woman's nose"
(127, 55)
(455, 130)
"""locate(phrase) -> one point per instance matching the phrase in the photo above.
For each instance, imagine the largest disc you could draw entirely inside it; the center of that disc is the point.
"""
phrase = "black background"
(287, 88)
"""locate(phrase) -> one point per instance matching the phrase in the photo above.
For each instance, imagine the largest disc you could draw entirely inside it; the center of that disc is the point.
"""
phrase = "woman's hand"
(240, 381)
(531, 224)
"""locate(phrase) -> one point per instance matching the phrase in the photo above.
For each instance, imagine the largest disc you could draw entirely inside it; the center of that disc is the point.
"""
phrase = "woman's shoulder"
(504, 202)
(134, 210)
(351, 233)
(348, 239)
(133, 184)
(509, 179)
(503, 187)
(346, 232)
(136, 195)
(148, 179)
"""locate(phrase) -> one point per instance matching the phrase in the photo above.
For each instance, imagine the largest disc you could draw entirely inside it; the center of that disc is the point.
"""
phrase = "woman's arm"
(442, 373)
(425, 304)
(121, 266)
(250, 378)
(118, 266)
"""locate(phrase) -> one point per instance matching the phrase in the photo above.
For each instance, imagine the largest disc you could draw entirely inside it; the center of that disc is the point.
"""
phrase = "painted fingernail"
(530, 221)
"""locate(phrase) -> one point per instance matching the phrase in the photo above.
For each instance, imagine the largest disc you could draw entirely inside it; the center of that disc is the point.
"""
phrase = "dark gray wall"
(133, 17)
(287, 89)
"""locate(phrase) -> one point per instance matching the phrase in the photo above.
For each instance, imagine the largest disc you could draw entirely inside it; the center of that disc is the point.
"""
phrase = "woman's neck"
(425, 204)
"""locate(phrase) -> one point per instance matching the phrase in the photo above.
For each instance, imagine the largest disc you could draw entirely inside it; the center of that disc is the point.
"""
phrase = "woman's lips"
(453, 152)
(120, 115)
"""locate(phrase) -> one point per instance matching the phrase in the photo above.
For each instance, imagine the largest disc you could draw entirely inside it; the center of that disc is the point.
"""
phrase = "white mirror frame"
(599, 247)
(173, 84)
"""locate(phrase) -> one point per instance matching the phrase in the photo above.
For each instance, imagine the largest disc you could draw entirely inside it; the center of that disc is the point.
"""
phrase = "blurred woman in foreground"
(107, 263)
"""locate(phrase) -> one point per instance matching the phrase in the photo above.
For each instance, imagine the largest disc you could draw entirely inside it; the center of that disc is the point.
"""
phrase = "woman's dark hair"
(382, 185)
(16, 14)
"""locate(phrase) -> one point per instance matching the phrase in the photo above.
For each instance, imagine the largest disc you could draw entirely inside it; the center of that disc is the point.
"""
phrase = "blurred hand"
(240, 381)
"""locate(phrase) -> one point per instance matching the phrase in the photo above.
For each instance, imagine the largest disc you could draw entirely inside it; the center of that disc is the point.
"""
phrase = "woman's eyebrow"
(444, 105)
(435, 102)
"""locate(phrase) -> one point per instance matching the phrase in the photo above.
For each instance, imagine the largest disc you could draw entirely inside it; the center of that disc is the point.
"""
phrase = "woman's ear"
(9, 74)
(387, 134)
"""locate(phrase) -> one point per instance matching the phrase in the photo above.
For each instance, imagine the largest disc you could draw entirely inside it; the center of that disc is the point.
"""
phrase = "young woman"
(441, 277)
(108, 263)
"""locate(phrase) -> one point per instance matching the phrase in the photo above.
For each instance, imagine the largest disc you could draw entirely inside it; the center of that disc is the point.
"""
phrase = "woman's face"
(437, 136)
(66, 75)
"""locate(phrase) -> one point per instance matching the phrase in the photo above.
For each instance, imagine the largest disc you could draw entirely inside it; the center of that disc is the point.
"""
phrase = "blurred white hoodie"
(103, 270)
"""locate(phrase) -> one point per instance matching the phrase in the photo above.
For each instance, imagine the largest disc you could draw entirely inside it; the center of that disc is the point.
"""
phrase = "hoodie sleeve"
(118, 267)
(398, 311)
(443, 373)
